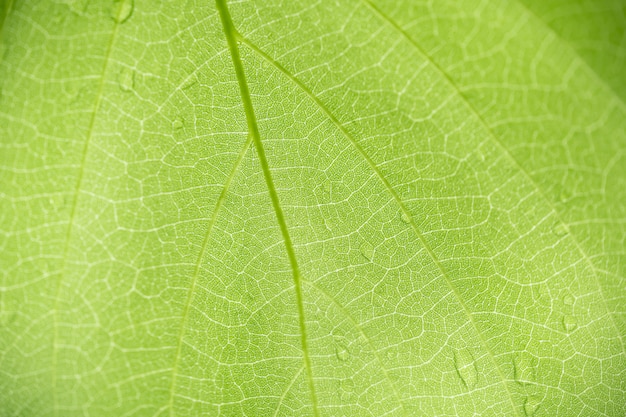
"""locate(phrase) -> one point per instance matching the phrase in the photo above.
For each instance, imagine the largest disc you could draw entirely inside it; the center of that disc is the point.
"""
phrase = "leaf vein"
(232, 37)
(508, 154)
(393, 194)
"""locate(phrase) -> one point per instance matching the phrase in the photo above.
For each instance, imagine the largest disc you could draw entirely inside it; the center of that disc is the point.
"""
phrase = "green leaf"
(346, 208)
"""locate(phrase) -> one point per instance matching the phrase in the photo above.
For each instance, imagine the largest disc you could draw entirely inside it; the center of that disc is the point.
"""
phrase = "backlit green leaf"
(300, 208)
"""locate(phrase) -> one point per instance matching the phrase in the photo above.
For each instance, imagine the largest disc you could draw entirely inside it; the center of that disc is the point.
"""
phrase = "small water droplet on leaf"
(188, 83)
(122, 9)
(367, 250)
(76, 6)
(560, 230)
(466, 367)
(127, 79)
(564, 195)
(405, 217)
(341, 351)
(531, 405)
(524, 370)
(569, 323)
(568, 300)
(178, 123)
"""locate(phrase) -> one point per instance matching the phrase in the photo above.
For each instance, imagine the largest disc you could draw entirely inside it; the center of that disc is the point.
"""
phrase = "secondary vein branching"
(498, 142)
(74, 206)
(232, 37)
(196, 272)
(370, 162)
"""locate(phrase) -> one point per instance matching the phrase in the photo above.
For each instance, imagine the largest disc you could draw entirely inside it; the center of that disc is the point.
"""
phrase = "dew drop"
(564, 195)
(405, 217)
(367, 250)
(524, 371)
(122, 9)
(76, 6)
(560, 230)
(568, 300)
(569, 323)
(466, 367)
(531, 405)
(127, 79)
(188, 83)
(378, 300)
(178, 123)
(341, 351)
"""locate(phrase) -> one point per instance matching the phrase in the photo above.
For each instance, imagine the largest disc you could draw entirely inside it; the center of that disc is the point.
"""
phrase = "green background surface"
(313, 208)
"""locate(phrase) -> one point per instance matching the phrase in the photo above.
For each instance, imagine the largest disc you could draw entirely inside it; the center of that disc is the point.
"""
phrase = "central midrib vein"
(253, 128)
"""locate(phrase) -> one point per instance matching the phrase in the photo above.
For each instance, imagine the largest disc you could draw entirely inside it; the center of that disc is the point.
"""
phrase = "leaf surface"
(350, 208)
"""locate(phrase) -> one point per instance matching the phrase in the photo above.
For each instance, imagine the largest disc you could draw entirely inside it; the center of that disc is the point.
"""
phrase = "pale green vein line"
(358, 327)
(232, 36)
(287, 389)
(508, 155)
(396, 198)
(198, 266)
(70, 227)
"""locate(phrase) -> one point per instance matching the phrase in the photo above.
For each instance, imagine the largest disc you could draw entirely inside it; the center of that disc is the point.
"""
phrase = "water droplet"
(569, 323)
(367, 250)
(568, 300)
(122, 9)
(341, 351)
(531, 405)
(466, 367)
(127, 79)
(178, 123)
(347, 385)
(405, 217)
(378, 300)
(76, 6)
(560, 230)
(524, 370)
(188, 83)
(564, 195)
